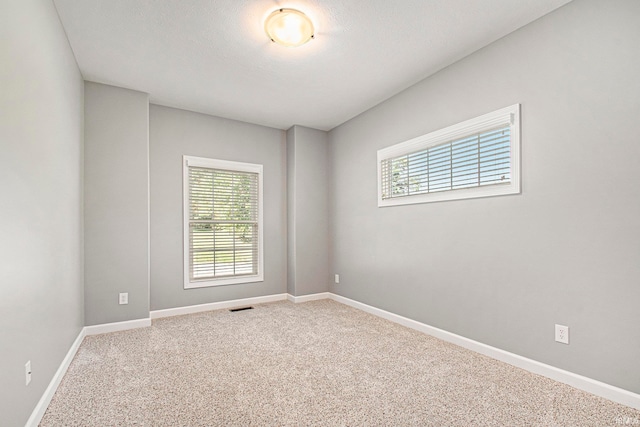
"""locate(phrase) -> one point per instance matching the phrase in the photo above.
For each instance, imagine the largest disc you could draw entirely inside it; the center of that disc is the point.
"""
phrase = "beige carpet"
(317, 363)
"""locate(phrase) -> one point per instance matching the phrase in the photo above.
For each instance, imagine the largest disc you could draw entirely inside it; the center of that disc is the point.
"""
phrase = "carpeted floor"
(317, 363)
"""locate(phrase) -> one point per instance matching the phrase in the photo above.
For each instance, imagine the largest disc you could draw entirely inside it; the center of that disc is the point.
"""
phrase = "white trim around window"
(214, 254)
(479, 157)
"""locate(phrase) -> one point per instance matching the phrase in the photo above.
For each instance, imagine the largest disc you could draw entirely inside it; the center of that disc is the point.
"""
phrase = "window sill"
(188, 284)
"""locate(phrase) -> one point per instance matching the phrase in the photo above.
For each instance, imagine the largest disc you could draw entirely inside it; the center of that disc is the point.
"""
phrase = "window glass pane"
(223, 226)
(475, 160)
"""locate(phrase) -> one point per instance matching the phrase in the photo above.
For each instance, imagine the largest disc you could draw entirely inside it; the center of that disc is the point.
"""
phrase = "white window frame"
(189, 161)
(508, 115)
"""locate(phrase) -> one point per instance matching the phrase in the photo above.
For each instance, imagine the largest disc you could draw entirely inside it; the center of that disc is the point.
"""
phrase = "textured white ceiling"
(212, 56)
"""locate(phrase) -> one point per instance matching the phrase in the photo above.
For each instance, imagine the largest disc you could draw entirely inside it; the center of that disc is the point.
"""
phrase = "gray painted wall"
(308, 211)
(41, 124)
(116, 203)
(503, 270)
(174, 133)
(291, 205)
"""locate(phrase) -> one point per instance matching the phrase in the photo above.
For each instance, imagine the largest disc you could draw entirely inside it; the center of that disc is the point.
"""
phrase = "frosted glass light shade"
(289, 27)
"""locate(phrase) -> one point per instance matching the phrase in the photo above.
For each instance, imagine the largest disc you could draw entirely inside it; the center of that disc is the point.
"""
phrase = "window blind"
(476, 160)
(223, 223)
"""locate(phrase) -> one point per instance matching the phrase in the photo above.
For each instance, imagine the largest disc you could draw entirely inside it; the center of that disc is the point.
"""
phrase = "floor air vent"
(233, 310)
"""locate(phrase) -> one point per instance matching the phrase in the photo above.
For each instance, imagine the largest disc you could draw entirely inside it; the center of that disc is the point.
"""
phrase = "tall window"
(223, 222)
(476, 158)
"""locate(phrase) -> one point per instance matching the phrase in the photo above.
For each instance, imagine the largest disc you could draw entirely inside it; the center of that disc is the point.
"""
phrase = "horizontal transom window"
(476, 158)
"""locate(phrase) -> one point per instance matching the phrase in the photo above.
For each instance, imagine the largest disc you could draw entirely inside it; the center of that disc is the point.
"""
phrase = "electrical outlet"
(337, 278)
(124, 298)
(562, 334)
(27, 372)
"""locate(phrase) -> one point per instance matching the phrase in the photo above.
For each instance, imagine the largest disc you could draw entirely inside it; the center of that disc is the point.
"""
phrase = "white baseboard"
(178, 311)
(43, 403)
(310, 297)
(117, 326)
(589, 385)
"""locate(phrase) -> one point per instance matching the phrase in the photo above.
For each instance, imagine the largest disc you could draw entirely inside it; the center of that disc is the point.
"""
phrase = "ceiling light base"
(289, 27)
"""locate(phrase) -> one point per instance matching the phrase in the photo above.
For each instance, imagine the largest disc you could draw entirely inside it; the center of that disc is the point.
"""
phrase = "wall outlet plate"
(562, 334)
(123, 298)
(337, 278)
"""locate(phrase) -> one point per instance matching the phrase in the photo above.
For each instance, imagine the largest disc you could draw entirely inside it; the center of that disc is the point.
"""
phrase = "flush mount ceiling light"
(289, 27)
